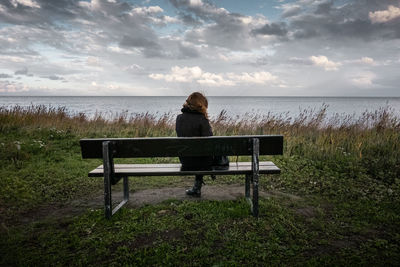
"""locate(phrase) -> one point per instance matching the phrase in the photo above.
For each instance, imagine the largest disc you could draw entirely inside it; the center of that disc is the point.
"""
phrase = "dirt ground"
(208, 192)
(137, 199)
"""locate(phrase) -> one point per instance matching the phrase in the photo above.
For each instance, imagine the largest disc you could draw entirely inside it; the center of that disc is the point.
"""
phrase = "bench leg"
(109, 179)
(247, 186)
(255, 174)
(108, 168)
(107, 196)
(247, 191)
(126, 196)
(255, 197)
(108, 200)
(126, 188)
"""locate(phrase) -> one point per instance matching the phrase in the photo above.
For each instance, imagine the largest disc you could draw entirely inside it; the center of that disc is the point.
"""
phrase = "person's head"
(198, 102)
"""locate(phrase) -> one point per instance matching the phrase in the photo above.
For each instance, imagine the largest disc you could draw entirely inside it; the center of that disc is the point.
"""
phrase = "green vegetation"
(335, 203)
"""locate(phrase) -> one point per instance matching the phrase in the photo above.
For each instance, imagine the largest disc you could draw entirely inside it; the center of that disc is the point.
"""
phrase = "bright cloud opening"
(28, 3)
(196, 74)
(385, 15)
(324, 62)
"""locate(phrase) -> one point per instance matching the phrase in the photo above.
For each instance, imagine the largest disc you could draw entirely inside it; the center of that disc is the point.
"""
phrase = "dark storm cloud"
(4, 75)
(100, 23)
(272, 29)
(23, 71)
(324, 19)
(186, 51)
(48, 11)
(44, 13)
(348, 21)
(324, 8)
(302, 20)
(131, 27)
(215, 26)
(53, 77)
(131, 41)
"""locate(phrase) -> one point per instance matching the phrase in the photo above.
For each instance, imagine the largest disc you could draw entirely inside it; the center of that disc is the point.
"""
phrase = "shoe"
(195, 191)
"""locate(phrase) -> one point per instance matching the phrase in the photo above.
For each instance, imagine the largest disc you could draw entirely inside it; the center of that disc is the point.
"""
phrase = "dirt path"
(154, 196)
(137, 199)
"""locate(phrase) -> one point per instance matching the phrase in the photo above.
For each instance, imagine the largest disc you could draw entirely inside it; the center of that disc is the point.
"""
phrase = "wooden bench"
(110, 148)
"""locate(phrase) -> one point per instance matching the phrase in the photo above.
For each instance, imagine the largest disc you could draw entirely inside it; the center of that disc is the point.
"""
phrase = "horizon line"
(187, 95)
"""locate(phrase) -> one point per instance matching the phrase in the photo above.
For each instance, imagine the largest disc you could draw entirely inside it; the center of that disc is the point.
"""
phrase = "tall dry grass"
(40, 116)
(370, 141)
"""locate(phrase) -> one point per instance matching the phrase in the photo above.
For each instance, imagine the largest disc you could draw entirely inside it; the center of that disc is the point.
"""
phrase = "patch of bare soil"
(154, 196)
(308, 212)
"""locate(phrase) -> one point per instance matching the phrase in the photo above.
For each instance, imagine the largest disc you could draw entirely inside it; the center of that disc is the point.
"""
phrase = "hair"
(198, 102)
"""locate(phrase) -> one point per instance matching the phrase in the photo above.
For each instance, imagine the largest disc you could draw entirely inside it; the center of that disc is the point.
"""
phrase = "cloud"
(134, 67)
(12, 87)
(122, 42)
(88, 26)
(4, 75)
(27, 3)
(290, 10)
(262, 77)
(217, 27)
(300, 61)
(142, 42)
(178, 74)
(324, 62)
(196, 74)
(272, 29)
(367, 60)
(188, 51)
(53, 77)
(202, 10)
(212, 79)
(119, 50)
(351, 20)
(147, 10)
(23, 71)
(363, 79)
(385, 15)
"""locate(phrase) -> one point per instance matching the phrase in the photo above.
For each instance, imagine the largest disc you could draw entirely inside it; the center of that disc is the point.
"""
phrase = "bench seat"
(122, 170)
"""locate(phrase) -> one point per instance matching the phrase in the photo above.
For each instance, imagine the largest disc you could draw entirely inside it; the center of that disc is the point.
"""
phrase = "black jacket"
(193, 123)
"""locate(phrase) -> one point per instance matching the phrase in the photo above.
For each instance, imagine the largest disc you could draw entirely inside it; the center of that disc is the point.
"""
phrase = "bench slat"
(183, 146)
(178, 165)
(121, 170)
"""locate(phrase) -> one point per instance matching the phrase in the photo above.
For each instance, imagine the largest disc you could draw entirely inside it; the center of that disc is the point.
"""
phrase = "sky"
(218, 47)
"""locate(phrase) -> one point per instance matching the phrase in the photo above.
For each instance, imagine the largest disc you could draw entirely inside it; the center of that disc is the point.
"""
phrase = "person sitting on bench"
(194, 122)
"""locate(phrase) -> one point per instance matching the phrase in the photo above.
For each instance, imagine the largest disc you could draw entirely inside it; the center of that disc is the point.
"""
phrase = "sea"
(232, 106)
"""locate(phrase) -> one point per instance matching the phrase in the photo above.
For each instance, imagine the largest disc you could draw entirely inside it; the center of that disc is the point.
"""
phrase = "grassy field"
(337, 201)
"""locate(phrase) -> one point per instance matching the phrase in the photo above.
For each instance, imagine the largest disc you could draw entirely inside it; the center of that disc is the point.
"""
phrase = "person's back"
(194, 122)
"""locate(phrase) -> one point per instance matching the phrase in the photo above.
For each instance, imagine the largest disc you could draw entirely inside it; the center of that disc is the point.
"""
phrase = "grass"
(335, 203)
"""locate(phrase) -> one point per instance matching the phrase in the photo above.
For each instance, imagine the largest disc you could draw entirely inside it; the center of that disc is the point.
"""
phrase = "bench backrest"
(183, 146)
